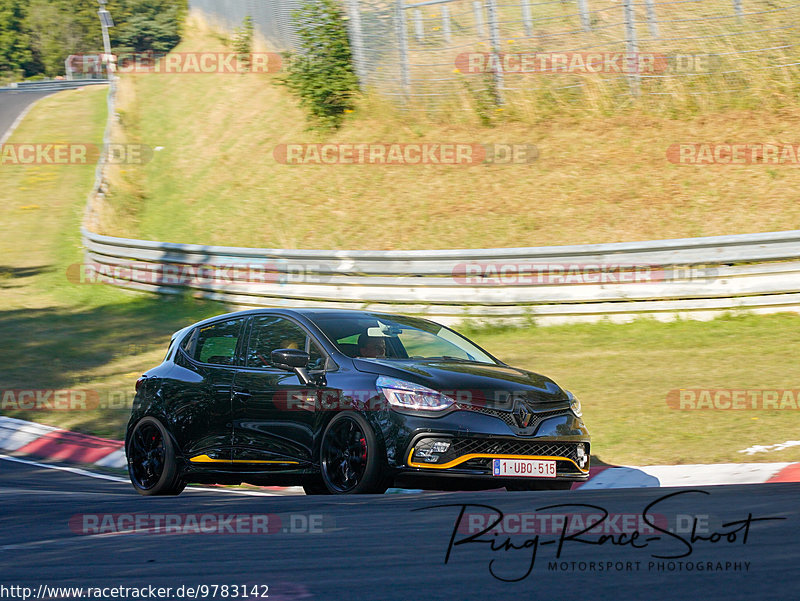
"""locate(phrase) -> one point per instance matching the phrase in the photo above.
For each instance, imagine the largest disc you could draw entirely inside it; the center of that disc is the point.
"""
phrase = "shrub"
(321, 74)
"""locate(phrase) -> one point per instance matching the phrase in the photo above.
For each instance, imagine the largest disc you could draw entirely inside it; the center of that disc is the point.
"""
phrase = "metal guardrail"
(693, 277)
(51, 85)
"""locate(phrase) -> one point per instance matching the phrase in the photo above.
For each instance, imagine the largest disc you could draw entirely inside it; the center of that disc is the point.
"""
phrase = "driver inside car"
(373, 347)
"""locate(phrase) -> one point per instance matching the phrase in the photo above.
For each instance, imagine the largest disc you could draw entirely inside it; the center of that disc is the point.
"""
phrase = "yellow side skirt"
(207, 459)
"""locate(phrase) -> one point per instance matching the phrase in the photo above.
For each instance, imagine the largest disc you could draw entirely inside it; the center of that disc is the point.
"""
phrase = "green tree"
(322, 74)
(16, 57)
(58, 28)
(151, 24)
(36, 36)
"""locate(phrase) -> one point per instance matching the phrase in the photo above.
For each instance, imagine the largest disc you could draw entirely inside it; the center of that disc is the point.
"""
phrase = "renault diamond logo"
(523, 415)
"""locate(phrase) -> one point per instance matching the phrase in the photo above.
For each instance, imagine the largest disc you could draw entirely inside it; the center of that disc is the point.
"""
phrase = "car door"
(200, 406)
(274, 415)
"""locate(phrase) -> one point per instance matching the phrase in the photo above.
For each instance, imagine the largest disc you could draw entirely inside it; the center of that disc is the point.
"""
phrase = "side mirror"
(289, 358)
(294, 360)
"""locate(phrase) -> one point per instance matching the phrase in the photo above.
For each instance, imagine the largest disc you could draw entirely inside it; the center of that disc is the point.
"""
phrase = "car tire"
(539, 485)
(151, 460)
(352, 460)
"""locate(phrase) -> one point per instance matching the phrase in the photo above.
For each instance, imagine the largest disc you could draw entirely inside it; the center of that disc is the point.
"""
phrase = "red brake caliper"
(363, 449)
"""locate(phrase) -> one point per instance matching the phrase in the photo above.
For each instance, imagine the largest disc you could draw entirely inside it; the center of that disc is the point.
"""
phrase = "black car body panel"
(233, 421)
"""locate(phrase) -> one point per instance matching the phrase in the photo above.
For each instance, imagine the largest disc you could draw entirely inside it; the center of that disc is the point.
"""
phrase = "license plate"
(524, 468)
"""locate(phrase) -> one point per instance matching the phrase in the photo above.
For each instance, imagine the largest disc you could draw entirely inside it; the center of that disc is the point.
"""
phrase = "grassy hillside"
(58, 334)
(599, 178)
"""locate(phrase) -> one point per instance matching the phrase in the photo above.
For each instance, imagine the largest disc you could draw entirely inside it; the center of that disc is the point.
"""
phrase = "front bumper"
(476, 439)
(474, 456)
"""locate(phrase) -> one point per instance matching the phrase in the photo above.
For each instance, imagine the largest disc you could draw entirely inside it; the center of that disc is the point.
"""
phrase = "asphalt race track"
(12, 104)
(391, 547)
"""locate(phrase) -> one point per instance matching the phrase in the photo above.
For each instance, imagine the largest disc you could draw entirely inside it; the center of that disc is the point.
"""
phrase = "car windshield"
(397, 337)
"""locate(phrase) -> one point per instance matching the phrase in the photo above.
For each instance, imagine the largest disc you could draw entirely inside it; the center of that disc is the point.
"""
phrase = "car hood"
(471, 383)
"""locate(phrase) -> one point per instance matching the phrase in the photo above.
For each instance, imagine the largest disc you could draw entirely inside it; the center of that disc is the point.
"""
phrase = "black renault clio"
(347, 402)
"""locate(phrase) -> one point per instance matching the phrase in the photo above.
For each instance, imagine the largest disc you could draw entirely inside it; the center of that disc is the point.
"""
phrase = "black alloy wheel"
(351, 459)
(151, 460)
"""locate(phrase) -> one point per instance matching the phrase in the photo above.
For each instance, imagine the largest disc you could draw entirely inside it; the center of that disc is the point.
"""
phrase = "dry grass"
(598, 178)
(57, 334)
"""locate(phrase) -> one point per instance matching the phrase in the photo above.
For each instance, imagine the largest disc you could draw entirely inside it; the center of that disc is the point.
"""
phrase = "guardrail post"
(737, 6)
(583, 8)
(632, 48)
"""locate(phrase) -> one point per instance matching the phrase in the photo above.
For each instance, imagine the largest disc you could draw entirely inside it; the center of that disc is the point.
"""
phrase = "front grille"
(508, 417)
(483, 446)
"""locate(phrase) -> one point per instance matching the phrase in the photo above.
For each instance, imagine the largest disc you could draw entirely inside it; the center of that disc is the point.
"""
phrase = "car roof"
(316, 312)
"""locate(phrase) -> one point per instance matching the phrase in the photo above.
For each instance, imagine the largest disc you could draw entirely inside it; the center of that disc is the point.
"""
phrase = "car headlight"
(574, 404)
(407, 395)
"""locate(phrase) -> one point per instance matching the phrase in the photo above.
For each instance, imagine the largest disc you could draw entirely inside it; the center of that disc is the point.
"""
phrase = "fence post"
(357, 41)
(402, 44)
(477, 8)
(494, 35)
(419, 27)
(526, 17)
(652, 20)
(583, 8)
(632, 47)
(737, 6)
(446, 23)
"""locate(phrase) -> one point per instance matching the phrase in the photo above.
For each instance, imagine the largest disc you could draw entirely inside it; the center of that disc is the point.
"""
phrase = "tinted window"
(188, 343)
(398, 337)
(317, 359)
(269, 334)
(419, 343)
(216, 343)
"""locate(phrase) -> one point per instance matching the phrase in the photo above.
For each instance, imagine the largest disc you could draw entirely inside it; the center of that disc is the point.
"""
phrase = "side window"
(216, 343)
(317, 360)
(269, 334)
(189, 342)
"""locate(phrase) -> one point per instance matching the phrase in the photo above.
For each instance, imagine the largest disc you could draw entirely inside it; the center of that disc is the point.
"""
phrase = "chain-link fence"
(431, 51)
(271, 18)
